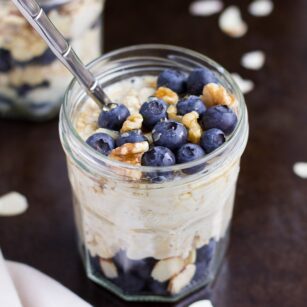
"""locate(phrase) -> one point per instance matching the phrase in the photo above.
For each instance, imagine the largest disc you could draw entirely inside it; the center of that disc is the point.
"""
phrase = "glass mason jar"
(32, 80)
(151, 241)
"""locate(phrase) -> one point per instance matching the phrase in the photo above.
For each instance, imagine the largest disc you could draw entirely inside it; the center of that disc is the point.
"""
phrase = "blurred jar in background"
(32, 80)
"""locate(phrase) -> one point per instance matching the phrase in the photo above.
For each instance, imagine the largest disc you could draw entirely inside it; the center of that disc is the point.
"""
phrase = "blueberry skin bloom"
(101, 142)
(220, 117)
(173, 79)
(170, 134)
(159, 156)
(114, 118)
(153, 111)
(198, 78)
(189, 104)
(212, 139)
(133, 136)
(190, 152)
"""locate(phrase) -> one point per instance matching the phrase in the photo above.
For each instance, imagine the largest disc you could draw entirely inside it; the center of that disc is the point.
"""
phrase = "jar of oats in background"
(32, 80)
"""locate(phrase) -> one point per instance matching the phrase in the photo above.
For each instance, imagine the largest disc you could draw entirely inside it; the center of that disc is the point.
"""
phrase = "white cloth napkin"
(24, 286)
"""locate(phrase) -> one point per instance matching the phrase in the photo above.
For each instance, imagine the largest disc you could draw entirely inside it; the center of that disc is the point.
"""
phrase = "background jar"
(127, 226)
(32, 80)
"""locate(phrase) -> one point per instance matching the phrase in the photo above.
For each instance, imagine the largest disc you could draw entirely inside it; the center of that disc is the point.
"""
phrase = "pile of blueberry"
(134, 276)
(170, 137)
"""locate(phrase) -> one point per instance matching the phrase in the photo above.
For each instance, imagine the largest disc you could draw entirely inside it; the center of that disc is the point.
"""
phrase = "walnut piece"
(216, 94)
(194, 129)
(130, 152)
(167, 95)
(133, 122)
(172, 113)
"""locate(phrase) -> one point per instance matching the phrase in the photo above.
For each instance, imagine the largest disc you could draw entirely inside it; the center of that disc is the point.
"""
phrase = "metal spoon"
(35, 15)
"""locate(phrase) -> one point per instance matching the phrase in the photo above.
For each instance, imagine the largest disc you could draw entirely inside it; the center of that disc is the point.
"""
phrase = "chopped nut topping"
(130, 152)
(215, 94)
(167, 95)
(172, 113)
(133, 122)
(194, 129)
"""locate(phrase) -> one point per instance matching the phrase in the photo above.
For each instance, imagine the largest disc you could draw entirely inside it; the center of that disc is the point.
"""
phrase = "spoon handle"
(35, 15)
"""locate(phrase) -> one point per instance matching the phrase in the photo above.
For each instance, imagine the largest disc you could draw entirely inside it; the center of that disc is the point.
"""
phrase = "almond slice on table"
(253, 60)
(202, 303)
(231, 22)
(167, 268)
(245, 85)
(13, 203)
(206, 7)
(261, 8)
(300, 169)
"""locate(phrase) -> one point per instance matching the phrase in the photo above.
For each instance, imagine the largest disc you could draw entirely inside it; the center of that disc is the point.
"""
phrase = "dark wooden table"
(266, 264)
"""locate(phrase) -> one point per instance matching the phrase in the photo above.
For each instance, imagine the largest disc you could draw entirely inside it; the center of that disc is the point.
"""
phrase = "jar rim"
(97, 159)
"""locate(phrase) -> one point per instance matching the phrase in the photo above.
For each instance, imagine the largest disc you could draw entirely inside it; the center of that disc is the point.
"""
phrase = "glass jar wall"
(146, 240)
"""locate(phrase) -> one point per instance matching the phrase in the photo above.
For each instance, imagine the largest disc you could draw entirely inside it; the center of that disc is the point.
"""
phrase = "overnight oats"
(154, 176)
(32, 80)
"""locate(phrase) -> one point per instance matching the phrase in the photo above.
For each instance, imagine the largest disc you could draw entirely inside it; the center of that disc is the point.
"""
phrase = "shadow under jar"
(32, 80)
(149, 241)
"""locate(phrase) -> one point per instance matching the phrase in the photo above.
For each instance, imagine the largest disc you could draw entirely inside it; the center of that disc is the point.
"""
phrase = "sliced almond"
(261, 8)
(108, 268)
(253, 60)
(167, 268)
(191, 258)
(202, 303)
(231, 22)
(181, 280)
(205, 7)
(13, 203)
(245, 85)
(300, 169)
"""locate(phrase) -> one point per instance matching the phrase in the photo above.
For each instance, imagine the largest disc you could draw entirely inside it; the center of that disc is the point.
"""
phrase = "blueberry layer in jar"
(153, 207)
(32, 80)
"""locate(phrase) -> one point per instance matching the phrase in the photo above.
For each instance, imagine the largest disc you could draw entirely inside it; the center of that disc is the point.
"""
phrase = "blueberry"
(198, 78)
(24, 89)
(173, 79)
(133, 274)
(212, 139)
(205, 256)
(190, 152)
(156, 287)
(170, 134)
(46, 58)
(153, 111)
(101, 142)
(5, 60)
(159, 156)
(220, 117)
(133, 136)
(114, 118)
(189, 104)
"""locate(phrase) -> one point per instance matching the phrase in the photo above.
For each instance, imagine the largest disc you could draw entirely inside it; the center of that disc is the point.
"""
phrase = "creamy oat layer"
(146, 221)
